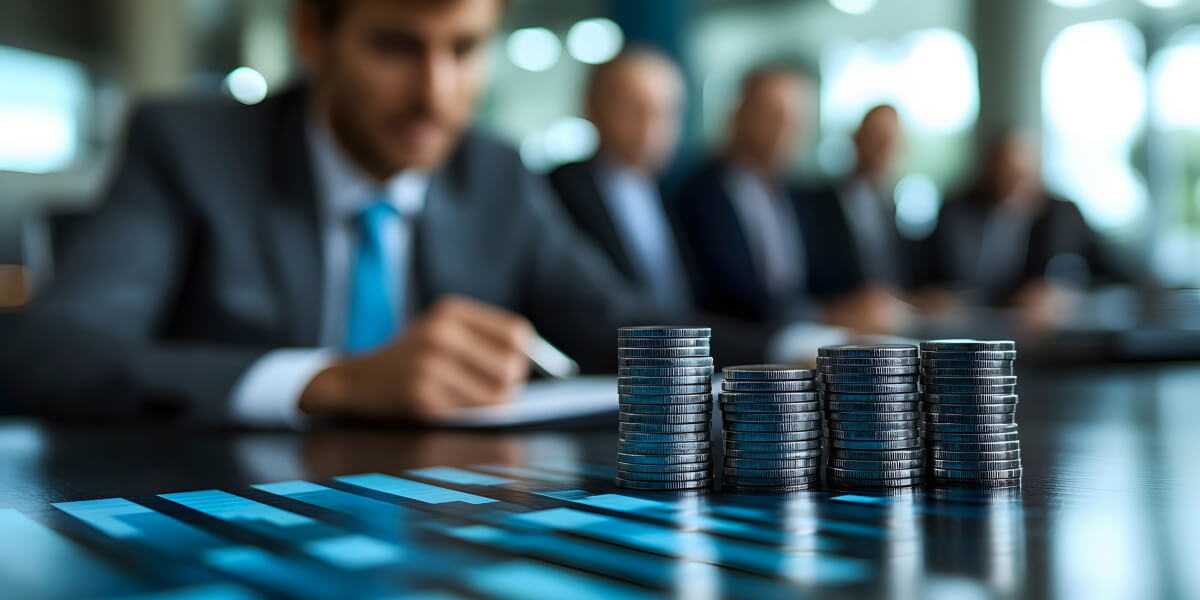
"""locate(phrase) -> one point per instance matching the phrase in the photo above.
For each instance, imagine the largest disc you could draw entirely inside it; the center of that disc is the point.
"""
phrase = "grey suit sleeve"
(91, 346)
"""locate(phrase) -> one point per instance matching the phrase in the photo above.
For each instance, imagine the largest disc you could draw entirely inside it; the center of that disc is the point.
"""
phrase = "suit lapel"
(289, 229)
(595, 211)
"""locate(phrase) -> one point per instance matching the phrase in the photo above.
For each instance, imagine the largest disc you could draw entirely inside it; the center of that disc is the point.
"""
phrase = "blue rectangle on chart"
(35, 559)
(529, 580)
(413, 490)
(459, 476)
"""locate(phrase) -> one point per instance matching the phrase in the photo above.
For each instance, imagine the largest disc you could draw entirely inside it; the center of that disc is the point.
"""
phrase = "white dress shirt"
(269, 391)
(769, 221)
(637, 212)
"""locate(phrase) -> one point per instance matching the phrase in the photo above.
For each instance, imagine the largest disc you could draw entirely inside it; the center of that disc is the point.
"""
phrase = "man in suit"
(854, 219)
(1006, 240)
(753, 250)
(349, 249)
(635, 101)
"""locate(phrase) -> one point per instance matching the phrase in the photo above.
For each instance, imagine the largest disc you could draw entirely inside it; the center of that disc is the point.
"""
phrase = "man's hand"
(460, 353)
(870, 309)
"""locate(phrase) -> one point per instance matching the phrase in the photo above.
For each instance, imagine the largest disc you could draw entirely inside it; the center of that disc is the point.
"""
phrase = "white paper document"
(543, 401)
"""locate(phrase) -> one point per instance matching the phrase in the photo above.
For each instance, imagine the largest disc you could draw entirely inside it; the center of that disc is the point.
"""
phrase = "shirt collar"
(345, 190)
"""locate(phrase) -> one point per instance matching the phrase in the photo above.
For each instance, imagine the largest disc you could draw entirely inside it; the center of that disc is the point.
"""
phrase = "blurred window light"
(594, 41)
(1094, 104)
(570, 139)
(929, 75)
(854, 7)
(1175, 80)
(1162, 3)
(40, 104)
(1075, 3)
(533, 48)
(246, 85)
(917, 204)
(533, 152)
(835, 154)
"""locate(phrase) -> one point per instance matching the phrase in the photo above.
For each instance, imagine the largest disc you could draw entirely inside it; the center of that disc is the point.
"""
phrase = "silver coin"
(989, 484)
(903, 434)
(758, 436)
(772, 427)
(757, 448)
(980, 474)
(912, 454)
(998, 380)
(878, 465)
(652, 409)
(969, 345)
(668, 468)
(867, 379)
(661, 352)
(768, 417)
(786, 473)
(652, 476)
(872, 473)
(678, 399)
(772, 481)
(665, 418)
(660, 331)
(631, 447)
(777, 407)
(768, 398)
(901, 397)
(935, 373)
(867, 388)
(663, 485)
(969, 465)
(871, 407)
(902, 444)
(992, 419)
(942, 363)
(663, 390)
(705, 372)
(665, 363)
(769, 489)
(869, 371)
(871, 483)
(758, 463)
(867, 351)
(665, 459)
(953, 446)
(971, 438)
(861, 361)
(872, 426)
(970, 398)
(768, 386)
(970, 427)
(800, 455)
(837, 415)
(970, 409)
(766, 373)
(633, 436)
(972, 356)
(941, 389)
(697, 380)
(976, 456)
(695, 342)
(664, 428)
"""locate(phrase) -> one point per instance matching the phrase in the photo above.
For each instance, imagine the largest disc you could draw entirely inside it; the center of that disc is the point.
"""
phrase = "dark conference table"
(1108, 508)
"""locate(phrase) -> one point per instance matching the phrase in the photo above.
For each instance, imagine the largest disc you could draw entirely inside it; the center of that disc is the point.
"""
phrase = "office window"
(40, 101)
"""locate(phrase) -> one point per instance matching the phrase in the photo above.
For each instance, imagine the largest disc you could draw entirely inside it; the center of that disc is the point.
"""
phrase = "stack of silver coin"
(664, 382)
(970, 404)
(870, 394)
(771, 419)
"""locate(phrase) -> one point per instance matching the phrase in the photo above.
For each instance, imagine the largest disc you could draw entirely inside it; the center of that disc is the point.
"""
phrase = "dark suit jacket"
(727, 279)
(577, 185)
(205, 255)
(827, 235)
(1058, 228)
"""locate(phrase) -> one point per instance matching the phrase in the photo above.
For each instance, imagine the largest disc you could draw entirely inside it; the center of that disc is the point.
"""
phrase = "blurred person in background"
(1007, 241)
(752, 250)
(854, 219)
(349, 248)
(636, 103)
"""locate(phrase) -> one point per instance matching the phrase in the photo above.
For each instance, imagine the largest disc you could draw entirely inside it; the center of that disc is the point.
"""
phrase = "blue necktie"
(373, 305)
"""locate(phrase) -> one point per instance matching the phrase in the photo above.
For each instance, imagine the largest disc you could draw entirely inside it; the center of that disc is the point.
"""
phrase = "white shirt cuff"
(798, 342)
(268, 394)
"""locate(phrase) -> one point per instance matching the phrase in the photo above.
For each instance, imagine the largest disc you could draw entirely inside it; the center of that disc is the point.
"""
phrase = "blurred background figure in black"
(635, 101)
(1006, 240)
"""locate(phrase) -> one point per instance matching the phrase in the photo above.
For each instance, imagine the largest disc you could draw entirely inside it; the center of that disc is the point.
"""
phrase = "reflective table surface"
(1108, 509)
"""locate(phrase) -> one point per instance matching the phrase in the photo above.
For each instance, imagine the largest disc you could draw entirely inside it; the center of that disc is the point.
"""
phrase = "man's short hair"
(331, 11)
(776, 68)
(601, 73)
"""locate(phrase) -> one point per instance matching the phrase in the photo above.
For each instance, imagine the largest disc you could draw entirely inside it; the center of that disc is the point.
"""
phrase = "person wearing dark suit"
(1006, 240)
(348, 249)
(635, 101)
(754, 245)
(854, 219)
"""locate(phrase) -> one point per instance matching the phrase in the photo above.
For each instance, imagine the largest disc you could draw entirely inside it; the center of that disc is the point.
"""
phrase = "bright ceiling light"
(594, 41)
(854, 7)
(533, 48)
(246, 85)
(1162, 3)
(1075, 3)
